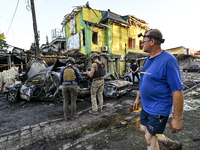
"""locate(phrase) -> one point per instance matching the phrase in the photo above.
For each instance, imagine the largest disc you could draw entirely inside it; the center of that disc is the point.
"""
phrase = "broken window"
(82, 37)
(95, 39)
(131, 43)
(140, 45)
(72, 25)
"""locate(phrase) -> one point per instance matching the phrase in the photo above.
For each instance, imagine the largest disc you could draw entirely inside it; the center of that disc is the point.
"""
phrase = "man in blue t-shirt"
(160, 88)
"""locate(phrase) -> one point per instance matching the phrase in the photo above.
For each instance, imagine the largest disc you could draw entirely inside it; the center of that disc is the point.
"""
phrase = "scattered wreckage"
(39, 87)
(45, 86)
(193, 68)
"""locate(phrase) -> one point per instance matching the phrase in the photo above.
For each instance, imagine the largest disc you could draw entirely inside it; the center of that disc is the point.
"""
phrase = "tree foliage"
(3, 44)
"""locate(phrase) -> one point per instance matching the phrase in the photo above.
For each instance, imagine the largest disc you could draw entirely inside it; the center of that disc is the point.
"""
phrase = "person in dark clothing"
(134, 68)
(69, 77)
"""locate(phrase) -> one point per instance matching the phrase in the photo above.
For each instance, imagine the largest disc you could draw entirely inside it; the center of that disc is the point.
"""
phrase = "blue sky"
(178, 20)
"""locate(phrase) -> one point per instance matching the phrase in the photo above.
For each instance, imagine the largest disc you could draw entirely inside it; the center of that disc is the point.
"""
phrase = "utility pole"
(37, 50)
(125, 58)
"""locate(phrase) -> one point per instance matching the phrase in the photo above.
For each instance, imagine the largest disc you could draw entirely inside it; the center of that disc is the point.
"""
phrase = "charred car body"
(45, 86)
(193, 68)
(39, 87)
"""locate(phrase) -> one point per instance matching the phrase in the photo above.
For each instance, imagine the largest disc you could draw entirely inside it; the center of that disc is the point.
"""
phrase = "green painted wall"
(87, 47)
(109, 37)
(115, 37)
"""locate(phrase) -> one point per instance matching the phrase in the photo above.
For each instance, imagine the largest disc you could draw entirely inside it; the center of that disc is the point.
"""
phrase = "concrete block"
(25, 128)
(3, 139)
(3, 145)
(13, 136)
(25, 132)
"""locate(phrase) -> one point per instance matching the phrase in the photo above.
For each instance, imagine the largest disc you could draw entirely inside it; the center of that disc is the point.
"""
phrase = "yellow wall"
(120, 36)
(102, 39)
(133, 33)
(78, 29)
(91, 15)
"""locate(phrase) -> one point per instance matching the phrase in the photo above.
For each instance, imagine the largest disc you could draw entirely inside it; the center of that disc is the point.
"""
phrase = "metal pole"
(37, 53)
(125, 58)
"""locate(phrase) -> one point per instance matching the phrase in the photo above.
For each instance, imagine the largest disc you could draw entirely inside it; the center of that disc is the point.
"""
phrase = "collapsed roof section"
(132, 20)
(108, 16)
(105, 17)
(71, 15)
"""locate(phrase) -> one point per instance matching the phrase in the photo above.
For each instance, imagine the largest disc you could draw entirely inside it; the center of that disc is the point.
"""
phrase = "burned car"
(193, 68)
(45, 86)
(39, 87)
(113, 87)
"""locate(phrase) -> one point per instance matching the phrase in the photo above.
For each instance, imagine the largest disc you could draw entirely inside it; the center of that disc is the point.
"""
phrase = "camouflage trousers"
(96, 90)
(70, 93)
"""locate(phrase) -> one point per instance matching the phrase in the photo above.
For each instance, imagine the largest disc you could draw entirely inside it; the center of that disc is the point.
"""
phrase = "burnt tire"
(58, 98)
(127, 79)
(11, 97)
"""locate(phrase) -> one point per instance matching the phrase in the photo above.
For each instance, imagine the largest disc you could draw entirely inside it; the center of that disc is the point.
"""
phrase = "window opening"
(83, 37)
(95, 38)
(131, 43)
(140, 45)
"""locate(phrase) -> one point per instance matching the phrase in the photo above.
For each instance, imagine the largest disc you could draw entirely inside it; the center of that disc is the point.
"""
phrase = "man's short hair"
(155, 33)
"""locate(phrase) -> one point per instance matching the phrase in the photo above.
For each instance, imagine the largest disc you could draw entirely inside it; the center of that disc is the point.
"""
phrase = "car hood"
(118, 83)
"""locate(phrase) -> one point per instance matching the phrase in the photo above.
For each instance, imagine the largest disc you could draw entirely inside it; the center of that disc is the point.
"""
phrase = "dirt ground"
(22, 113)
(114, 136)
(118, 135)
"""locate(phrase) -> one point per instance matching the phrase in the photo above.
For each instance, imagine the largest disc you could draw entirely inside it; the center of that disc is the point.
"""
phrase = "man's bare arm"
(176, 123)
(137, 102)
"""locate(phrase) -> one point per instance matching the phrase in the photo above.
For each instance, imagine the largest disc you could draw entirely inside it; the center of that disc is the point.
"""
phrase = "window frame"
(83, 37)
(133, 46)
(97, 38)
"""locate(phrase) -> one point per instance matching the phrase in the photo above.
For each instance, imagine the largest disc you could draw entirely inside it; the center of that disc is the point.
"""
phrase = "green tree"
(3, 45)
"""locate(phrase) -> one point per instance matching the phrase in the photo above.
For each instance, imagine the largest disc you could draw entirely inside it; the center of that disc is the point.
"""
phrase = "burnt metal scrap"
(45, 85)
(190, 85)
(115, 88)
(39, 87)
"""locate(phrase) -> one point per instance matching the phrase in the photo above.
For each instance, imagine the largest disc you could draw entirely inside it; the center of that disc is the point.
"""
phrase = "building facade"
(88, 30)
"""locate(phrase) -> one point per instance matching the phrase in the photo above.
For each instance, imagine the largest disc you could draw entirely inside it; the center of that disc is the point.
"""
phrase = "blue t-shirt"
(160, 76)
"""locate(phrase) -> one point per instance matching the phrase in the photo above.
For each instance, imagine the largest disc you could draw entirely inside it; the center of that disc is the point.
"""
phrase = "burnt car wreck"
(39, 87)
(45, 85)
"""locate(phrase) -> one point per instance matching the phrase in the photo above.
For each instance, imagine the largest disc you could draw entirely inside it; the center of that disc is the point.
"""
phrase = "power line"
(62, 6)
(12, 18)
(53, 8)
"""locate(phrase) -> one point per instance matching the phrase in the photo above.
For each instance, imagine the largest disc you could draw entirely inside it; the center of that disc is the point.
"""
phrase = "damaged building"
(88, 30)
(185, 56)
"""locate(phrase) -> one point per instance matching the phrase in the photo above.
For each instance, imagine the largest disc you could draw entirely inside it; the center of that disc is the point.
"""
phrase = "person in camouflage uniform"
(97, 72)
(69, 77)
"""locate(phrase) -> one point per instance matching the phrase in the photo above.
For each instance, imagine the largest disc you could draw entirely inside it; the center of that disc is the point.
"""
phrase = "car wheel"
(59, 98)
(11, 97)
(127, 79)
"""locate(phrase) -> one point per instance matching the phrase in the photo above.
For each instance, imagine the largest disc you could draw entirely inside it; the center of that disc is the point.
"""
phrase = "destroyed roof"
(108, 16)
(133, 17)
